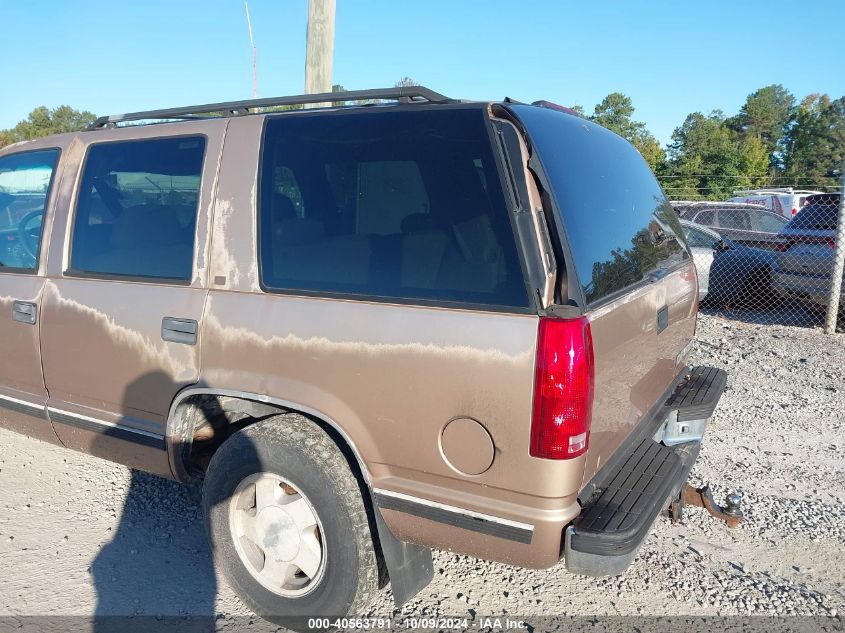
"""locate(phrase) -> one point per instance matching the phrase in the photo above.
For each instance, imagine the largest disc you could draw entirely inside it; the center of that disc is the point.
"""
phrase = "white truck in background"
(783, 200)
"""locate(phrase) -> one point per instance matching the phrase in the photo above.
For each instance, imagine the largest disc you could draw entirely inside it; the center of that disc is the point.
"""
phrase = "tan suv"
(371, 330)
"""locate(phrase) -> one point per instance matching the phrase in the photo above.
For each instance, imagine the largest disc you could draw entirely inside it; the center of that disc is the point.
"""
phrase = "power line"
(254, 53)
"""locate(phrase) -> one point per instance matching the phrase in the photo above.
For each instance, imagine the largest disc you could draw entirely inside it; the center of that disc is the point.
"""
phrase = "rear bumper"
(812, 288)
(641, 479)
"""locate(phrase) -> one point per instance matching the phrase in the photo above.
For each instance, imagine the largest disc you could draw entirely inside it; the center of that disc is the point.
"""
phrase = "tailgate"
(638, 342)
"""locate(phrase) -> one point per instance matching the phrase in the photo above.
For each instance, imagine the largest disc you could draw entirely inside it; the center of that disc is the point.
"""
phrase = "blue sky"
(670, 57)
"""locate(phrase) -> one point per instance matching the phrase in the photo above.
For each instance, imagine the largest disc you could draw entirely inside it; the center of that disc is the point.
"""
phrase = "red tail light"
(563, 389)
(794, 211)
(812, 239)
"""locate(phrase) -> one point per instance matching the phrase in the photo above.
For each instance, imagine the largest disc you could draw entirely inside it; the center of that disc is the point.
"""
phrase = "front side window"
(25, 181)
(137, 208)
(396, 204)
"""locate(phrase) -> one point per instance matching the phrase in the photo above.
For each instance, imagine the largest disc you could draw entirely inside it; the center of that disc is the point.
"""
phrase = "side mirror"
(722, 246)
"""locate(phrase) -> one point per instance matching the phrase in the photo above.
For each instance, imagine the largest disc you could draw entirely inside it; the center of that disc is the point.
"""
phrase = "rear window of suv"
(618, 223)
(390, 204)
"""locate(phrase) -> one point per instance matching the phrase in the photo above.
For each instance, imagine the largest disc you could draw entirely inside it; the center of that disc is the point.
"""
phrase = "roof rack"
(403, 94)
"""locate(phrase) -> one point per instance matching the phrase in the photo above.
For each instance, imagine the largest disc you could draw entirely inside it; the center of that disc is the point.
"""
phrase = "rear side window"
(769, 222)
(396, 204)
(137, 208)
(618, 223)
(734, 219)
(25, 180)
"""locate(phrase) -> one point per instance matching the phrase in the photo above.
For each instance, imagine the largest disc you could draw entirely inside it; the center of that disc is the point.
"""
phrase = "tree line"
(774, 140)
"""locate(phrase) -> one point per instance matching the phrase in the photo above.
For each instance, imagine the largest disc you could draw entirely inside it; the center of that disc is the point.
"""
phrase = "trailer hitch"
(703, 498)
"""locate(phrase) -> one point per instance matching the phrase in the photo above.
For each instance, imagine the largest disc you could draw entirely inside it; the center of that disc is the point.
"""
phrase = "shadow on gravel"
(158, 563)
(794, 314)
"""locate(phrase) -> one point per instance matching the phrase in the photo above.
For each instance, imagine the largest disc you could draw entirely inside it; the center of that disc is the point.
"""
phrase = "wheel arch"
(408, 567)
(186, 411)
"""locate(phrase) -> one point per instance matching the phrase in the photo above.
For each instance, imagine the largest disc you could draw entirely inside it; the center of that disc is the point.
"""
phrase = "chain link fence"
(770, 256)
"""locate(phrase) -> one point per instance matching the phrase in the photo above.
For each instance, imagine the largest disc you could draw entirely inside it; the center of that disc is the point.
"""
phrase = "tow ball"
(703, 498)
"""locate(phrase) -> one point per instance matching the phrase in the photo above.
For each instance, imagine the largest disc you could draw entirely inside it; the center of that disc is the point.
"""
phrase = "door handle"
(662, 319)
(25, 312)
(182, 331)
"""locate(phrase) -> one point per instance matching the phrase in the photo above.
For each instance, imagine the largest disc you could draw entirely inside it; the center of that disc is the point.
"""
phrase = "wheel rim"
(277, 534)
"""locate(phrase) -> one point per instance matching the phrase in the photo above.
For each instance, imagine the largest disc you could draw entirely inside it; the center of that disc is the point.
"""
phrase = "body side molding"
(22, 406)
(455, 516)
(111, 429)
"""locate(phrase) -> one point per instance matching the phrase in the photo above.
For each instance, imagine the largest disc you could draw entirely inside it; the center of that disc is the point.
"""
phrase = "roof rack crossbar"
(407, 94)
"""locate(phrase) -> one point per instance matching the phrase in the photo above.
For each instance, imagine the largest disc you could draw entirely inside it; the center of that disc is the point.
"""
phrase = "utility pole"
(319, 47)
(254, 54)
(838, 264)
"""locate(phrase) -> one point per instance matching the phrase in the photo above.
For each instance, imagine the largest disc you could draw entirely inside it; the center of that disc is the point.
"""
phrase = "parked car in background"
(746, 224)
(703, 245)
(728, 271)
(804, 261)
(784, 201)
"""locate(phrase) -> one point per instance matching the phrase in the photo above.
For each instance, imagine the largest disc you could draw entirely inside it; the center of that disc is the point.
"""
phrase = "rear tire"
(757, 291)
(279, 495)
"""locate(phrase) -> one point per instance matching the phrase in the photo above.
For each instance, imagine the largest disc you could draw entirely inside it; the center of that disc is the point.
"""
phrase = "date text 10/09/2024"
(456, 624)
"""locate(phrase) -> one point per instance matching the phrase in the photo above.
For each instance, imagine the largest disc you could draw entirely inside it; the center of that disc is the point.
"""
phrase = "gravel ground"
(82, 536)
